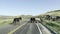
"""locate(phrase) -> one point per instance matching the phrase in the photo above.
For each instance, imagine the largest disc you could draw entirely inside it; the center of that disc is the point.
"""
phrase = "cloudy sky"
(27, 7)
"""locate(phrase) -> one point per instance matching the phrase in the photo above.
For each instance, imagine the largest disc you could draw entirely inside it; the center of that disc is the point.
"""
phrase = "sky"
(27, 7)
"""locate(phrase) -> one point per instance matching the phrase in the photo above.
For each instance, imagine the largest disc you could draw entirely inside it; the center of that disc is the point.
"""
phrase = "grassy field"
(53, 25)
(5, 21)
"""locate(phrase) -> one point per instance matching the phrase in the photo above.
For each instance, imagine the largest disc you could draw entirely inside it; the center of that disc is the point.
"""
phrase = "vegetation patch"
(53, 25)
(5, 22)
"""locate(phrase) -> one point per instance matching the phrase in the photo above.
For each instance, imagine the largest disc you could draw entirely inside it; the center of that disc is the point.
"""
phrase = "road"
(7, 28)
(32, 28)
(28, 28)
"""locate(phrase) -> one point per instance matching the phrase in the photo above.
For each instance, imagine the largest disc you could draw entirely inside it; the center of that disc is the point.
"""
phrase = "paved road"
(32, 28)
(29, 28)
(7, 28)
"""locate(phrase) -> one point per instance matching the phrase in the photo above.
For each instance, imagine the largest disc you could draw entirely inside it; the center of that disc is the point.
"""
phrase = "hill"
(53, 25)
(53, 13)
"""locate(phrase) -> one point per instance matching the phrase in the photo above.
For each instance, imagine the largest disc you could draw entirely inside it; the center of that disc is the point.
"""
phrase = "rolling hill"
(53, 25)
(53, 13)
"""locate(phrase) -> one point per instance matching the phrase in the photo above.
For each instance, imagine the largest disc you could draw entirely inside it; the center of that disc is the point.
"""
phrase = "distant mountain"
(53, 13)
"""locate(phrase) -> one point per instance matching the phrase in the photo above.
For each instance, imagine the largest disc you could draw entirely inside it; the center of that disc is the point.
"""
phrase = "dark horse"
(16, 20)
(32, 20)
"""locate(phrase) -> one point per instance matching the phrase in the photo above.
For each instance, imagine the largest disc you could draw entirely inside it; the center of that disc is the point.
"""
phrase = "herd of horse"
(35, 20)
(53, 18)
(31, 20)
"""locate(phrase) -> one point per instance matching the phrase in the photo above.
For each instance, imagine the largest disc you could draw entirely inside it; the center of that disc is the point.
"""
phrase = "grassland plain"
(5, 22)
(53, 25)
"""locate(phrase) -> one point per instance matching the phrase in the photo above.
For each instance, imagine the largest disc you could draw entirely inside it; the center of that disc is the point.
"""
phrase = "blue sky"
(27, 7)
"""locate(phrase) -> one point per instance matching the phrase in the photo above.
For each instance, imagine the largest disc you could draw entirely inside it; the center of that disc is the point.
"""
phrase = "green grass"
(5, 22)
(53, 25)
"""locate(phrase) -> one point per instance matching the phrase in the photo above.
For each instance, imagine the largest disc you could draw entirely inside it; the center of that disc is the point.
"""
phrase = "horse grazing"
(32, 20)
